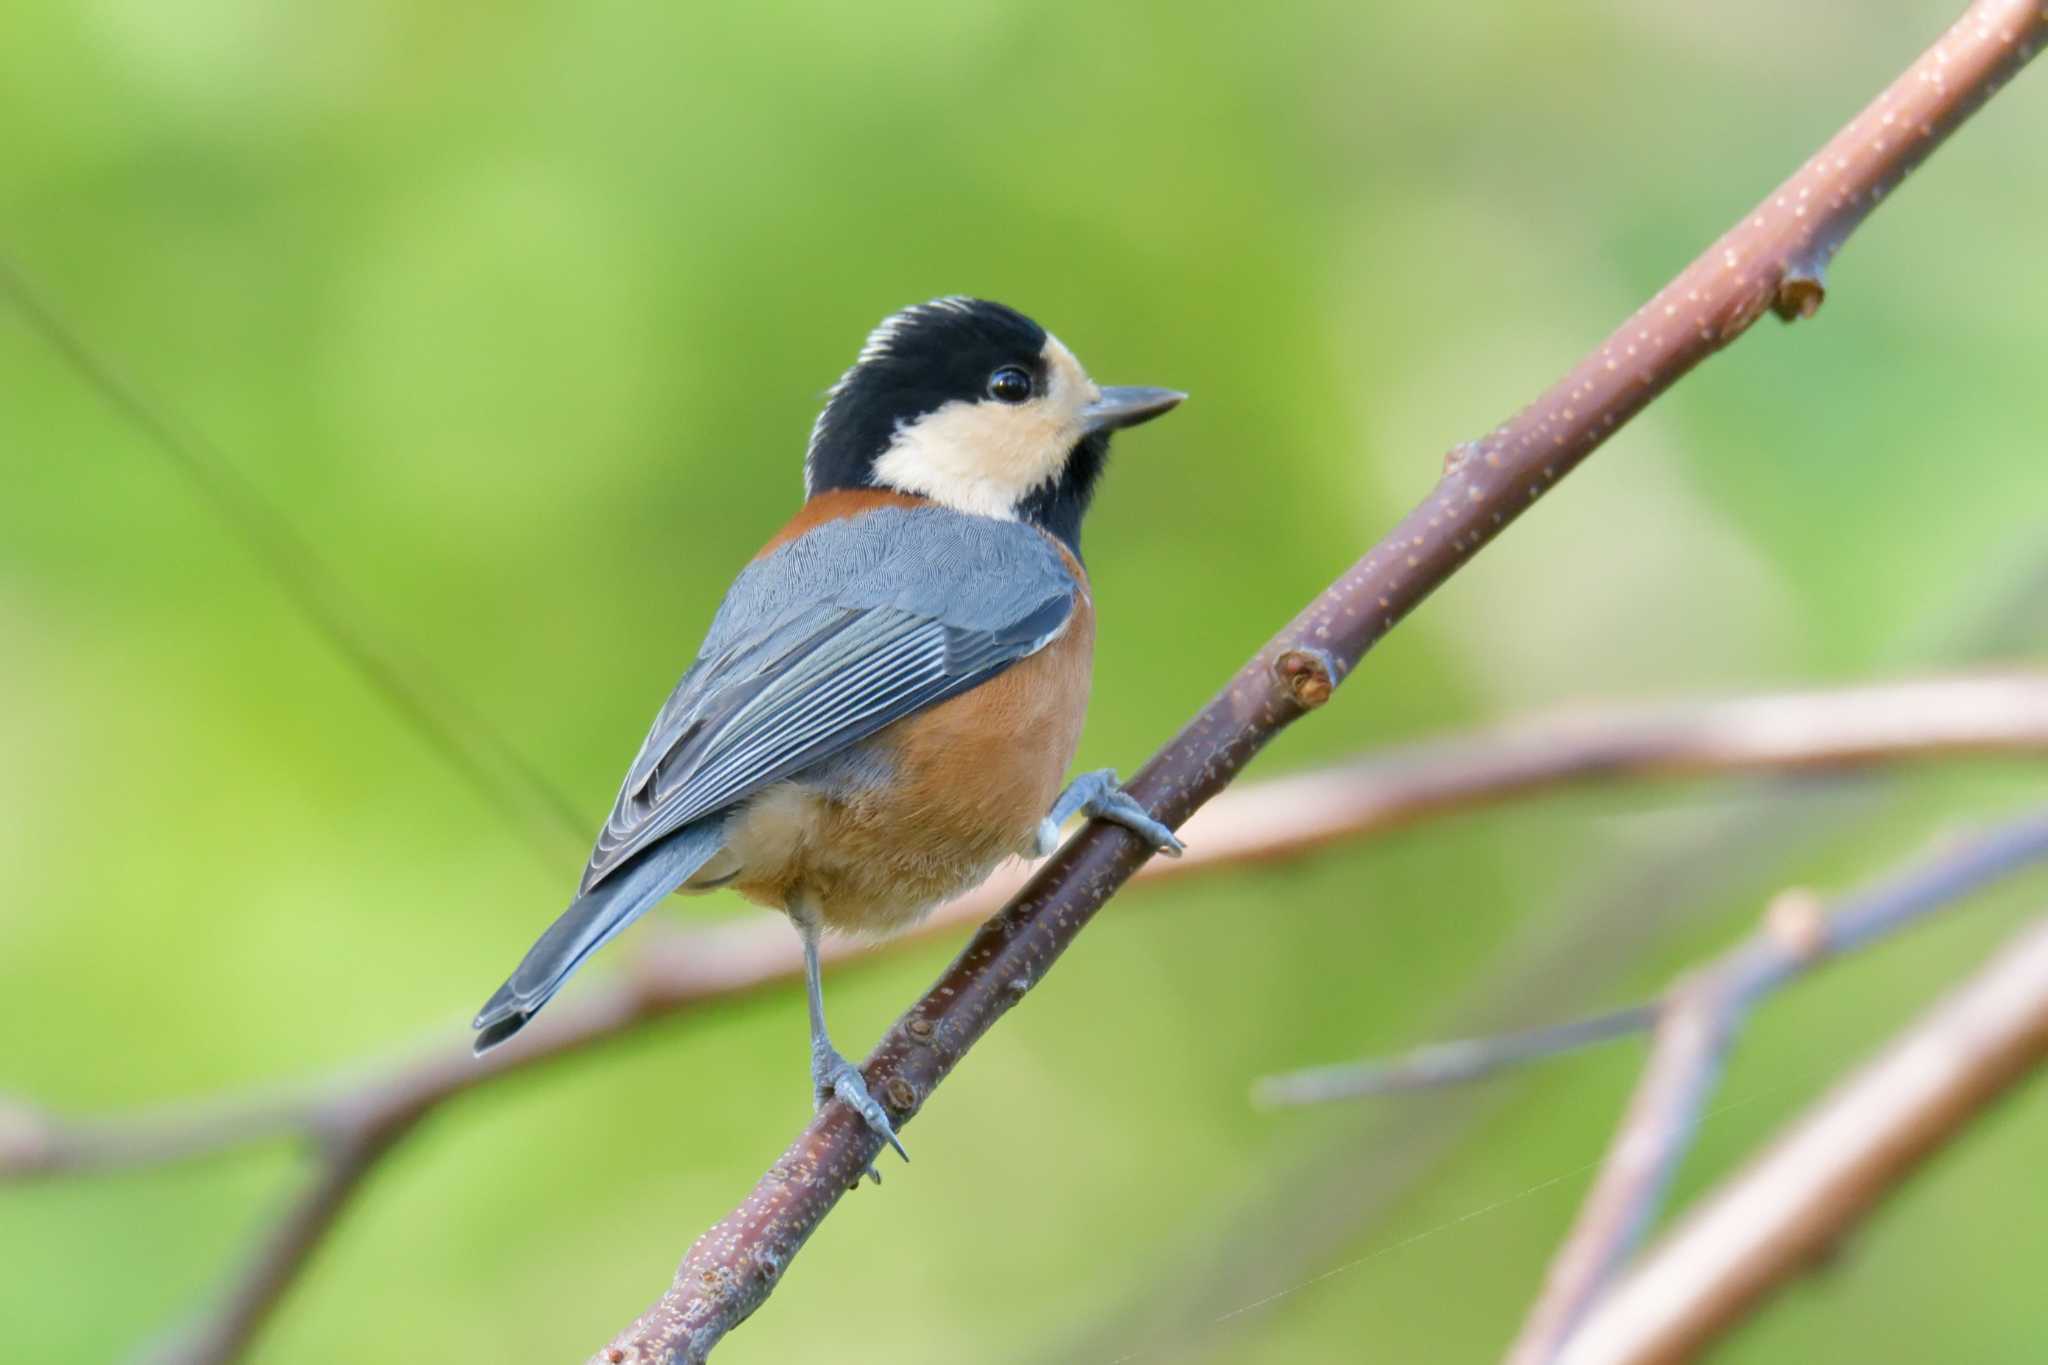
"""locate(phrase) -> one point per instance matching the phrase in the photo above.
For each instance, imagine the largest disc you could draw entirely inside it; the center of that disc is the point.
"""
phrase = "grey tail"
(590, 922)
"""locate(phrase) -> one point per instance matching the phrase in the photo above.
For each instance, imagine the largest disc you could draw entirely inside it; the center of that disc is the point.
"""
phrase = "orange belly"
(970, 780)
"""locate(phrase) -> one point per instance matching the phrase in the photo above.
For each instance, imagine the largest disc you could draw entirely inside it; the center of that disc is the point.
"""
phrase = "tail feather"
(590, 922)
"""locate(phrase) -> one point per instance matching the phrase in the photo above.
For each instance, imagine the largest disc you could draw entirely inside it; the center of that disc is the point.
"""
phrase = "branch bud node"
(1310, 674)
(1799, 295)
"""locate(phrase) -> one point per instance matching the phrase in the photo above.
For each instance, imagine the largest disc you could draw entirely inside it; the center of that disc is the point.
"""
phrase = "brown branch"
(1696, 1022)
(354, 1117)
(1784, 732)
(1292, 1224)
(1262, 822)
(282, 1253)
(1775, 258)
(1289, 1224)
(1796, 1201)
(1469, 505)
(1831, 729)
(687, 970)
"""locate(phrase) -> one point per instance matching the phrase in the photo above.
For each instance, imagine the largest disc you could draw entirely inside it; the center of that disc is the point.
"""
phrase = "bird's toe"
(840, 1079)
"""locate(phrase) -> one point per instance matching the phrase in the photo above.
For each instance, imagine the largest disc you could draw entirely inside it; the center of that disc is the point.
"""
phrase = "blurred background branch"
(1694, 1025)
(1980, 715)
(1293, 1224)
(1457, 1062)
(353, 1118)
(1465, 1060)
(1787, 1212)
(483, 757)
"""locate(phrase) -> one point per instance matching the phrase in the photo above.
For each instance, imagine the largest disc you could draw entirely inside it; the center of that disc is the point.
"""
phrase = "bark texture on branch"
(1773, 258)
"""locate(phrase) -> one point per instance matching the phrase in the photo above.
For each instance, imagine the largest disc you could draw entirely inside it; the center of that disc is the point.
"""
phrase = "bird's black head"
(976, 406)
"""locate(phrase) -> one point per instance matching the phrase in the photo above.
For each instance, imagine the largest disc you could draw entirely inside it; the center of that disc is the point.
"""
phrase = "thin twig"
(1261, 822)
(1774, 259)
(1294, 1225)
(1791, 1206)
(1456, 1062)
(1698, 1019)
(476, 751)
(1289, 1223)
(355, 1116)
(356, 1111)
(281, 1255)
(352, 1119)
(1788, 732)
(370, 1111)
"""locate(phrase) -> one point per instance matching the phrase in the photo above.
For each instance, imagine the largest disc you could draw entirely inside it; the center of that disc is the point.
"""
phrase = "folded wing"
(825, 641)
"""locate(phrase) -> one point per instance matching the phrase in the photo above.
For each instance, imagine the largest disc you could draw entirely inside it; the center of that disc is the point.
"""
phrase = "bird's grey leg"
(1097, 794)
(832, 1076)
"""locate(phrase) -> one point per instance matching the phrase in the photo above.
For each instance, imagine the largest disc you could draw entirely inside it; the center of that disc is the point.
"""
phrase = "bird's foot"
(833, 1077)
(1097, 795)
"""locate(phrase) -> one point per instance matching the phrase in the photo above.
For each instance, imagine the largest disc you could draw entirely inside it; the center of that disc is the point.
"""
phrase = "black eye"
(1010, 384)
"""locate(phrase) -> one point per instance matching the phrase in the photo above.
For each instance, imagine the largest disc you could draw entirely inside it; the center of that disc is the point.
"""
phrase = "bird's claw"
(1121, 807)
(1097, 794)
(833, 1077)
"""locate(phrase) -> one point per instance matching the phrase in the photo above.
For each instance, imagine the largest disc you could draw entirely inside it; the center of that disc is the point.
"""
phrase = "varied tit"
(891, 693)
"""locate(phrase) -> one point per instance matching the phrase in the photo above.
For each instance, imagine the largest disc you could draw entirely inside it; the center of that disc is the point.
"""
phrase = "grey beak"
(1128, 406)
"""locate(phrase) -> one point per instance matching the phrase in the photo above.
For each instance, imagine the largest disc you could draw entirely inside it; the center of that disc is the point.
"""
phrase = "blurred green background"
(523, 312)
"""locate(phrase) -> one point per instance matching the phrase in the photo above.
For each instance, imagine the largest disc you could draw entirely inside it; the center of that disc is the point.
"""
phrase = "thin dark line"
(431, 711)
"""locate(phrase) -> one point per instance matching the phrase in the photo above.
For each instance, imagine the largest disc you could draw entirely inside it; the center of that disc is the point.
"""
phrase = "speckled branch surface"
(1780, 1217)
(1774, 259)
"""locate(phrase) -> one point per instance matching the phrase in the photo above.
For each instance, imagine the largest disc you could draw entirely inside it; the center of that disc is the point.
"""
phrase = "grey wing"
(824, 642)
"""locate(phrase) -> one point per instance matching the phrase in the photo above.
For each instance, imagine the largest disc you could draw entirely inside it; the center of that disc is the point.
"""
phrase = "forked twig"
(1698, 1019)
(1781, 1215)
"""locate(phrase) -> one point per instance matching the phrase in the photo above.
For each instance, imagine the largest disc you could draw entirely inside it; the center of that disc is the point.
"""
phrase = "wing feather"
(826, 641)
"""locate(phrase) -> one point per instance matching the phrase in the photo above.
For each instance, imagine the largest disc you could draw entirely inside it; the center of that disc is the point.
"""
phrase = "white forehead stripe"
(881, 342)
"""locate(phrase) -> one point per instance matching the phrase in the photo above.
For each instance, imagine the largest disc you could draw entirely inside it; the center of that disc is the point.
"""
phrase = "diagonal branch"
(1773, 259)
(1698, 1019)
(353, 1118)
(1831, 729)
(1780, 1216)
(1284, 1230)
(283, 1251)
(1785, 732)
(1296, 1225)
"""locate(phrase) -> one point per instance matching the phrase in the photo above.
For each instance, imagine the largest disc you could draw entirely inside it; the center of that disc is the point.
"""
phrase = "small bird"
(891, 693)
